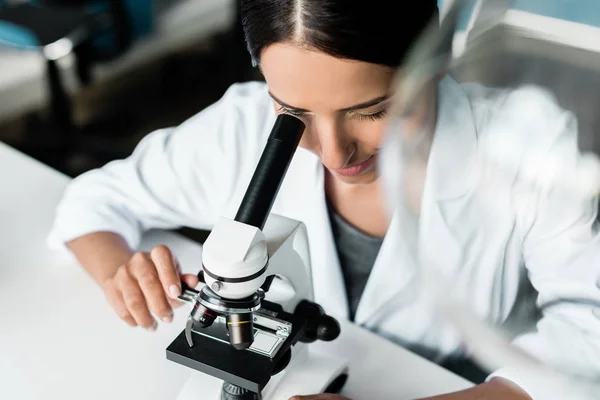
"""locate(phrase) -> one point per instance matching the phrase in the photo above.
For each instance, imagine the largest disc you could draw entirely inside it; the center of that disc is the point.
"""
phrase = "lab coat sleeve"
(561, 251)
(184, 176)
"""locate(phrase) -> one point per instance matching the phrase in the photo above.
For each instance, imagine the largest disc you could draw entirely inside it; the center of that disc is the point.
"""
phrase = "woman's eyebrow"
(281, 103)
(366, 104)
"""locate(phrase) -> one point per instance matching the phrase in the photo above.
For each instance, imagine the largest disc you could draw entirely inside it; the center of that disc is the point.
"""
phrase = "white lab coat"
(192, 174)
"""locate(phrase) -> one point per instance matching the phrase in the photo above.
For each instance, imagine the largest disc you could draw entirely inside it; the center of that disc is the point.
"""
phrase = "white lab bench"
(59, 340)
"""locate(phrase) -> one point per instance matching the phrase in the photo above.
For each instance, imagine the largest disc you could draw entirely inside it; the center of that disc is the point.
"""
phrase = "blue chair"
(94, 30)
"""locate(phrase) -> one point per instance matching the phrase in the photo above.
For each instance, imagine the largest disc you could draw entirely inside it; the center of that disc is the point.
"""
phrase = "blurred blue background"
(167, 60)
(582, 11)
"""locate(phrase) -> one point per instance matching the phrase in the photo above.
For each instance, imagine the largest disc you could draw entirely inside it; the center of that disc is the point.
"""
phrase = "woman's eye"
(288, 111)
(371, 117)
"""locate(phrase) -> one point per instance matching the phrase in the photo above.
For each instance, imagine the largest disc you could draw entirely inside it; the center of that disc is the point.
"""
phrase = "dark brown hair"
(375, 31)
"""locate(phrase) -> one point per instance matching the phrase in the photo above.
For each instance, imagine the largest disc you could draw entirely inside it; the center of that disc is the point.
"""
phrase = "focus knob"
(318, 325)
(328, 328)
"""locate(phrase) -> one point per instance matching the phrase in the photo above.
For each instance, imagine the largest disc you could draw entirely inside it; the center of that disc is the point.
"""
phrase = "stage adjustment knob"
(234, 392)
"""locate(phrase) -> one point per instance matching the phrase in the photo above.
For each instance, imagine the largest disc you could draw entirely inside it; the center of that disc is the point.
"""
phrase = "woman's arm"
(184, 176)
(495, 389)
(187, 176)
(561, 251)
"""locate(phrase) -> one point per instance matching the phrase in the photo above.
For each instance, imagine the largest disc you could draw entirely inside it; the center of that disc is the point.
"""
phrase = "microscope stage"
(247, 369)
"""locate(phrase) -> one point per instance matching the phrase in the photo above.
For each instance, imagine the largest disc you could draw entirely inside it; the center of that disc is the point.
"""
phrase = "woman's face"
(343, 104)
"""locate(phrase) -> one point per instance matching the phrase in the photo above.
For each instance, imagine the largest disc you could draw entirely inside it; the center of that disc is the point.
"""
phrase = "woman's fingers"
(149, 284)
(135, 301)
(147, 276)
(115, 300)
(190, 280)
(167, 271)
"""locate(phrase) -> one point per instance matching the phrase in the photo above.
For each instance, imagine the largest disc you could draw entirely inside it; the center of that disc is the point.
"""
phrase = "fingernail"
(167, 318)
(153, 327)
(174, 291)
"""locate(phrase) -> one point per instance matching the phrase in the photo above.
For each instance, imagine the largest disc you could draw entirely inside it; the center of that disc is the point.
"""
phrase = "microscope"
(253, 315)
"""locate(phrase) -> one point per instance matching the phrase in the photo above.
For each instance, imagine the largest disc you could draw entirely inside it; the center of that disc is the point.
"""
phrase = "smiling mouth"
(357, 169)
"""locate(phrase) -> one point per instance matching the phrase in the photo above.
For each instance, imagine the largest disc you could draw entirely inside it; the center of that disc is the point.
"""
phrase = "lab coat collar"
(450, 176)
(454, 149)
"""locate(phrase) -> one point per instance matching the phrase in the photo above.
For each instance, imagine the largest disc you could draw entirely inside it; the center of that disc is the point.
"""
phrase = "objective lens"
(241, 330)
(203, 316)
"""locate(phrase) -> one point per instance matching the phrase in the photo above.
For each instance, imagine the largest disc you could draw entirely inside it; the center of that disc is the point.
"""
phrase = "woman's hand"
(148, 284)
(324, 396)
(495, 389)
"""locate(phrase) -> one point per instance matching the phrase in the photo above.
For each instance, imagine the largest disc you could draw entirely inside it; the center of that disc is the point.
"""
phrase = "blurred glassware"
(533, 68)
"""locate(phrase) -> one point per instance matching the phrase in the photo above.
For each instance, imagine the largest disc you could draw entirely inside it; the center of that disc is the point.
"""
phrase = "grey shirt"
(357, 252)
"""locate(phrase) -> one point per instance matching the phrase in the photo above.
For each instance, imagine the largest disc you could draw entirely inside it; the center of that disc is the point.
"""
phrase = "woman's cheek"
(379, 131)
(370, 134)
(308, 141)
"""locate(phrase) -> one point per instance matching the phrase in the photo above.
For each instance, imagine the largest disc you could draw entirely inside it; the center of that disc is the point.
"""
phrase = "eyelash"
(371, 117)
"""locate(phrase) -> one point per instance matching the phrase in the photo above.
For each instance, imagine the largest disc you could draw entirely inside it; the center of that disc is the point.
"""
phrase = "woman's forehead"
(316, 81)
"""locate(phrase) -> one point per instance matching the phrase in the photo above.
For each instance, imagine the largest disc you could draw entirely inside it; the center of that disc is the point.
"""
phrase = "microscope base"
(308, 373)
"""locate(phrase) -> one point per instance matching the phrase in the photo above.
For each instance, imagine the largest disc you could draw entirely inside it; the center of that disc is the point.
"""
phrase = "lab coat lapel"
(446, 222)
(330, 291)
(449, 179)
(302, 197)
(393, 270)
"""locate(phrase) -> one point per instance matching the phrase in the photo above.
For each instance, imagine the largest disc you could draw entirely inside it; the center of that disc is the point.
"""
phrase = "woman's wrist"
(101, 254)
(495, 389)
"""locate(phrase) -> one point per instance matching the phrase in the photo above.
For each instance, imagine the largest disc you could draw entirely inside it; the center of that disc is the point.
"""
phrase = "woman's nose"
(335, 145)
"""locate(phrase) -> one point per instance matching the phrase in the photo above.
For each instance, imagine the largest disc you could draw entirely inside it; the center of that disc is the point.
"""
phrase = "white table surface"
(59, 340)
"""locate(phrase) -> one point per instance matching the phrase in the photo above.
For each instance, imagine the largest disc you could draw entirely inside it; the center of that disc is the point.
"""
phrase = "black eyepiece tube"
(271, 170)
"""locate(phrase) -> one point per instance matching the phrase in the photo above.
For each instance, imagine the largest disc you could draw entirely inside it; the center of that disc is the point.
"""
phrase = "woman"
(330, 63)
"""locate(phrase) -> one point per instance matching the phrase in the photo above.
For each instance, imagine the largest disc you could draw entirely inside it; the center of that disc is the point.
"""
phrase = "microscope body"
(251, 321)
(278, 363)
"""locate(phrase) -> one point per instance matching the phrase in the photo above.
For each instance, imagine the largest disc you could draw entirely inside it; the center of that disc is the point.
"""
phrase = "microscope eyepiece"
(270, 171)
(241, 330)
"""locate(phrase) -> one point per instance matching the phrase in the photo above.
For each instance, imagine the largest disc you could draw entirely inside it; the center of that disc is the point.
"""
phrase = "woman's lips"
(357, 169)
